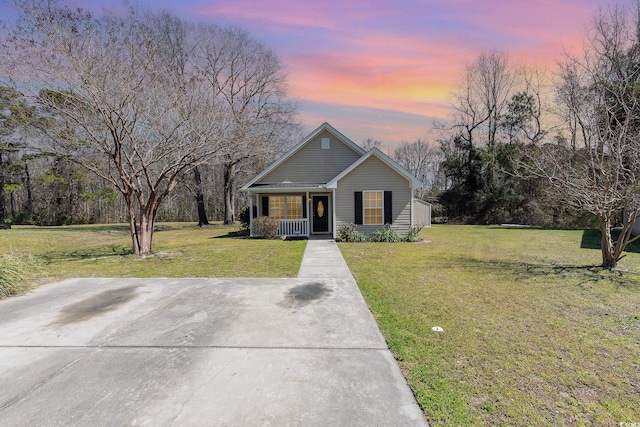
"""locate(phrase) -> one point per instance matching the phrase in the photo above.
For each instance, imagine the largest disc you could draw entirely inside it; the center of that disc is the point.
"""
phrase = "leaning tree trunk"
(229, 194)
(202, 212)
(135, 241)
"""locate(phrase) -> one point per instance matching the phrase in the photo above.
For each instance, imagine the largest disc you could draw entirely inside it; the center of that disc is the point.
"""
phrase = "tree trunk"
(609, 258)
(142, 236)
(27, 184)
(202, 212)
(3, 211)
(229, 194)
(135, 241)
(12, 205)
(146, 232)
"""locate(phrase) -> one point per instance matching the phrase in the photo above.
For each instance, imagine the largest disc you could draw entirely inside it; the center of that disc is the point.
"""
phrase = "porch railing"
(293, 227)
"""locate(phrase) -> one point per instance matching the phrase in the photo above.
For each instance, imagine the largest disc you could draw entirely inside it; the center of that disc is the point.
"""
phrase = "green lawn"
(534, 334)
(182, 250)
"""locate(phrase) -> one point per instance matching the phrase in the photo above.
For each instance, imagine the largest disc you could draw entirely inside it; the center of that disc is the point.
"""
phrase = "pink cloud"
(378, 76)
(405, 55)
(327, 14)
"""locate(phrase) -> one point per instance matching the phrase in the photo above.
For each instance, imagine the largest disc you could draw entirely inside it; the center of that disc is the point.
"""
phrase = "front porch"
(299, 214)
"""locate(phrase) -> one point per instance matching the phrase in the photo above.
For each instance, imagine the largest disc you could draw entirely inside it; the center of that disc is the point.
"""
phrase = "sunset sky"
(386, 69)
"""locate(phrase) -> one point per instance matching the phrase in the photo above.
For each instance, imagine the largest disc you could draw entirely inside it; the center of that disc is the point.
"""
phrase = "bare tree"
(370, 143)
(482, 97)
(423, 161)
(126, 115)
(247, 81)
(600, 91)
(572, 104)
(522, 120)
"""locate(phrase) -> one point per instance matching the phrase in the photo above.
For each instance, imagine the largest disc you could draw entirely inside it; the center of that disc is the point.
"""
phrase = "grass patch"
(180, 250)
(15, 271)
(534, 332)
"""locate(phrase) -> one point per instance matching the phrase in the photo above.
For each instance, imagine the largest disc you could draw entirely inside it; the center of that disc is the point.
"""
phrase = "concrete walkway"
(219, 352)
(322, 259)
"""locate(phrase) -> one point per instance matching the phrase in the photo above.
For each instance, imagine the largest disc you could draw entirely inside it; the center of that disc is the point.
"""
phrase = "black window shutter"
(304, 206)
(255, 212)
(387, 208)
(265, 206)
(358, 207)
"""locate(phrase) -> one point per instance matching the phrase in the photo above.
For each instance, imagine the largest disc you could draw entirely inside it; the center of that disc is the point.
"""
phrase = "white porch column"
(333, 210)
(250, 214)
(412, 191)
(309, 214)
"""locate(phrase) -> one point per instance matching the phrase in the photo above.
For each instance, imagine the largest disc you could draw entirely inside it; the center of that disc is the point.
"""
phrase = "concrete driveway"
(223, 352)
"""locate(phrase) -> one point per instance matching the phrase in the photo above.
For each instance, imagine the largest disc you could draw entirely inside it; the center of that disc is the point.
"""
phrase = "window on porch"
(285, 207)
(290, 211)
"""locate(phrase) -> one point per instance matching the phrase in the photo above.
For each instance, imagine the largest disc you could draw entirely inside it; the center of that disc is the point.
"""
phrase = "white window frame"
(285, 205)
(326, 143)
(364, 207)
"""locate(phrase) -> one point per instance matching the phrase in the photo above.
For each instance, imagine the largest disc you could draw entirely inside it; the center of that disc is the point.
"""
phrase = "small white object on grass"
(437, 329)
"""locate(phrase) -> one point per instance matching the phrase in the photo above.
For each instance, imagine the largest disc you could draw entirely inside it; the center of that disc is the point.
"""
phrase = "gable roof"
(413, 181)
(325, 126)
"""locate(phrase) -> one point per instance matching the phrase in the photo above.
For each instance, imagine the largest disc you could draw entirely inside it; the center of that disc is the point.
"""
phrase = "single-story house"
(327, 180)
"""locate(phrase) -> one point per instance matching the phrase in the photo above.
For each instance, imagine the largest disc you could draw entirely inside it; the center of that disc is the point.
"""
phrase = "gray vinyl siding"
(421, 213)
(312, 164)
(374, 175)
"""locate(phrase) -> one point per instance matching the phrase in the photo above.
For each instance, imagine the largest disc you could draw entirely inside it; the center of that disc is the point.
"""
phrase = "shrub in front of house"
(358, 237)
(245, 218)
(386, 234)
(345, 231)
(413, 235)
(266, 227)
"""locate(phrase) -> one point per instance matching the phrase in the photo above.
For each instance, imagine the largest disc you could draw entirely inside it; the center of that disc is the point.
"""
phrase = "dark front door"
(320, 214)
